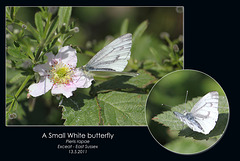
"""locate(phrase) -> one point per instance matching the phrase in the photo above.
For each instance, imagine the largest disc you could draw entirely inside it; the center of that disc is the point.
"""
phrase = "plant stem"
(19, 91)
(42, 45)
(9, 31)
(169, 41)
(39, 52)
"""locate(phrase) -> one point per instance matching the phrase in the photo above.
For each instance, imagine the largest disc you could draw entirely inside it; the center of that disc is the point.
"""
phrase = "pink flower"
(60, 74)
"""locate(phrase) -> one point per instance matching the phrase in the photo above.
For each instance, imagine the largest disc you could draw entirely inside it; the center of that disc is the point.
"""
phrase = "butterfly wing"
(113, 57)
(205, 111)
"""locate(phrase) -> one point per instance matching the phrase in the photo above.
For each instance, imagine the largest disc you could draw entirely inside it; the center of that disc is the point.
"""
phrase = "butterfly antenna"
(186, 100)
(186, 97)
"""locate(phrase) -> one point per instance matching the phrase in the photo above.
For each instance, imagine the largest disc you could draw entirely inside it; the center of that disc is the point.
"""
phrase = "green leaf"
(16, 78)
(64, 14)
(140, 30)
(80, 109)
(51, 45)
(8, 13)
(124, 27)
(13, 106)
(52, 28)
(9, 98)
(186, 146)
(119, 101)
(126, 83)
(120, 108)
(33, 31)
(113, 108)
(168, 119)
(16, 53)
(11, 12)
(142, 80)
(39, 23)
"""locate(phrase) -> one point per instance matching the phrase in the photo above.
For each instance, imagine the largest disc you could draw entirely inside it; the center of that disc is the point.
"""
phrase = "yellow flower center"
(61, 74)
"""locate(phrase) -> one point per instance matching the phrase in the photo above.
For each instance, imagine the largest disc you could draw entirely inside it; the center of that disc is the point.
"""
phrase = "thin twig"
(99, 113)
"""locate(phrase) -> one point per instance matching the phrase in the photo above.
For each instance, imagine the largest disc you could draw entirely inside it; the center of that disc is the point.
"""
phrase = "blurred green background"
(171, 91)
(96, 24)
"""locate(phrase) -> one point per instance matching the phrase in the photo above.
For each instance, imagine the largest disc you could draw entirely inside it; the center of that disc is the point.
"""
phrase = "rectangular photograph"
(87, 66)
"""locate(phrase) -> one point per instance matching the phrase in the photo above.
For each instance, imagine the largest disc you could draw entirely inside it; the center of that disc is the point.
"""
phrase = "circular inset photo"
(187, 112)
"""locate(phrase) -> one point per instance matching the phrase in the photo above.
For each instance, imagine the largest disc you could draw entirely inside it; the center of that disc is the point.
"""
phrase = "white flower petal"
(40, 88)
(81, 80)
(66, 90)
(67, 55)
(42, 69)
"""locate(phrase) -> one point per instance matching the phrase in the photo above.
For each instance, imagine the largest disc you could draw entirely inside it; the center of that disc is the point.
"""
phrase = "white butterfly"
(112, 59)
(203, 115)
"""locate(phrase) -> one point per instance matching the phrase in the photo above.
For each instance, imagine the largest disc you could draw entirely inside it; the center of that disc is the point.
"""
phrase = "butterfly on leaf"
(203, 115)
(112, 59)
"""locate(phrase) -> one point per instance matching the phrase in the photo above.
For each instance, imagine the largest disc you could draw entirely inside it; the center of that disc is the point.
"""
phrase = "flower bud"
(164, 34)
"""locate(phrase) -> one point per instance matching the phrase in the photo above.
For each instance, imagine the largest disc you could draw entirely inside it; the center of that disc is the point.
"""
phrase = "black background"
(211, 35)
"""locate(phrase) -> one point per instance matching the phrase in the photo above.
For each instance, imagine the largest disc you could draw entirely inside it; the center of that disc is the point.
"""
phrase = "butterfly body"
(189, 120)
(203, 115)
